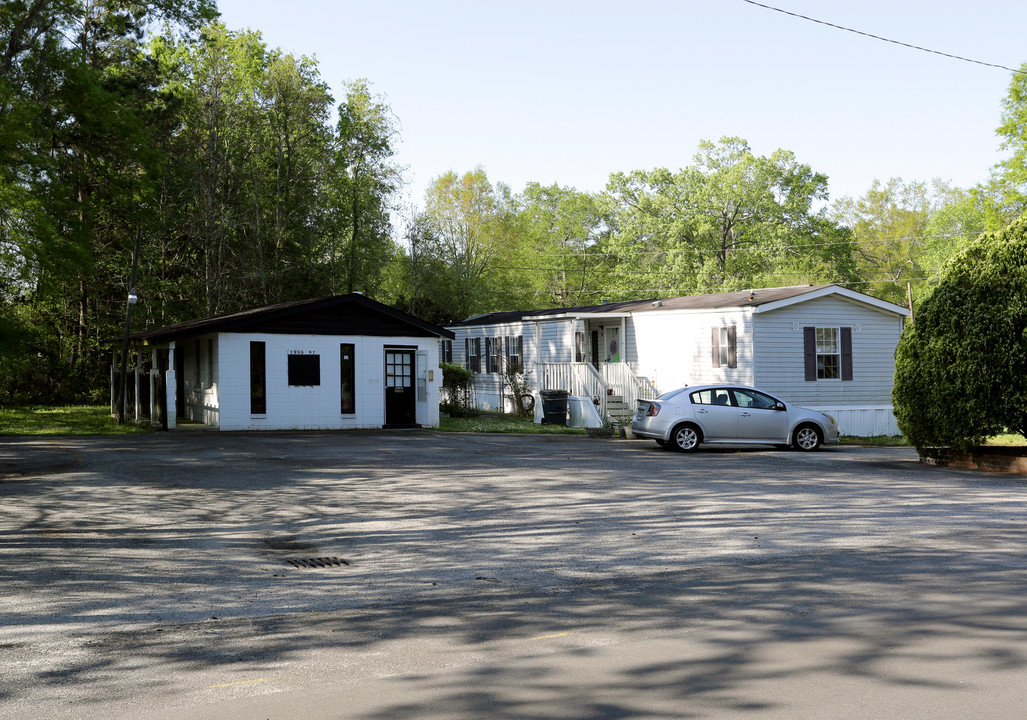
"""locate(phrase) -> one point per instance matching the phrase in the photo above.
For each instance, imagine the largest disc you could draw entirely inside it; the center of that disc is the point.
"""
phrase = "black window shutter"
(809, 349)
(716, 346)
(846, 353)
(477, 355)
(732, 347)
(467, 353)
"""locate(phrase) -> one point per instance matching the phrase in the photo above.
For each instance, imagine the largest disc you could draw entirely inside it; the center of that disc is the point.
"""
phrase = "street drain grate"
(312, 563)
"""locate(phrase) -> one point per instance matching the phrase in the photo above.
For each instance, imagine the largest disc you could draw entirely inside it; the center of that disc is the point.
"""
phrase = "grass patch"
(900, 441)
(1008, 440)
(80, 420)
(876, 441)
(504, 424)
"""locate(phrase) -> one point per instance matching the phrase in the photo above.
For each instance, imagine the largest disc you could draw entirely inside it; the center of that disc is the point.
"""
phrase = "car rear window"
(715, 396)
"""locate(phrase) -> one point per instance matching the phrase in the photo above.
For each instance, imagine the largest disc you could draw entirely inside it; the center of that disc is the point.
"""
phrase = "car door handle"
(744, 414)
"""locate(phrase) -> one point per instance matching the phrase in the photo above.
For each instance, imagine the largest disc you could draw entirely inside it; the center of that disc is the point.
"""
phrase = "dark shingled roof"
(339, 314)
(741, 298)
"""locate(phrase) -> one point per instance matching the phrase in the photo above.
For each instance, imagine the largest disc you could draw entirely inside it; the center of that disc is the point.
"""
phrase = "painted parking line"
(233, 684)
(554, 635)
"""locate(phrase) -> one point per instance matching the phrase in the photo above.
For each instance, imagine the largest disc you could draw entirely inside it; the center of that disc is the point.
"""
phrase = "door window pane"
(399, 370)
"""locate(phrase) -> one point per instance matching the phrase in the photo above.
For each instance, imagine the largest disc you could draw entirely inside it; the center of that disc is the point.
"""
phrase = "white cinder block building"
(327, 364)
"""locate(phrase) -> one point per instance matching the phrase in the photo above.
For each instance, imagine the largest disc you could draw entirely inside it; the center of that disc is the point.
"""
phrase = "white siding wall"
(556, 343)
(489, 388)
(308, 408)
(863, 405)
(674, 349)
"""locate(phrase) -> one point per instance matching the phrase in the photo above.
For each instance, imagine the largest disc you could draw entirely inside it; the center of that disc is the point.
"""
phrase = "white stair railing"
(629, 386)
(578, 379)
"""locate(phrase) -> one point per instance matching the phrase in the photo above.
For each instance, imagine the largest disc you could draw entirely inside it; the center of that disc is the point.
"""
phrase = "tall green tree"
(957, 218)
(473, 225)
(1009, 178)
(561, 232)
(730, 221)
(889, 224)
(364, 179)
(419, 278)
(276, 202)
(212, 173)
(80, 114)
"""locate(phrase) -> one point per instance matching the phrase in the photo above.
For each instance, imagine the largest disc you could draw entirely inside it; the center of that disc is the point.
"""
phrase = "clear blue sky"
(568, 92)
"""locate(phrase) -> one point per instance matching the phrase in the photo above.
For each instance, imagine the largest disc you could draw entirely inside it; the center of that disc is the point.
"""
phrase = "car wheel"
(686, 438)
(807, 438)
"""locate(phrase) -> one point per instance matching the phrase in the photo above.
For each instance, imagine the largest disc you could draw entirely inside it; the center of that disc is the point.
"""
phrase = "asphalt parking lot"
(176, 563)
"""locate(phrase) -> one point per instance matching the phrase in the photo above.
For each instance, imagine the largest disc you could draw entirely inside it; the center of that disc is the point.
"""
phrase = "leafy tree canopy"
(732, 220)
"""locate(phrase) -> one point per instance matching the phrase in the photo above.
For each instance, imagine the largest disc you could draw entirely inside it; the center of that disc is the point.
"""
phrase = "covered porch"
(612, 386)
(149, 392)
(600, 369)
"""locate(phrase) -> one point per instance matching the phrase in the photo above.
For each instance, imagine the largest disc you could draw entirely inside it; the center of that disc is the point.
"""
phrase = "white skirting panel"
(863, 421)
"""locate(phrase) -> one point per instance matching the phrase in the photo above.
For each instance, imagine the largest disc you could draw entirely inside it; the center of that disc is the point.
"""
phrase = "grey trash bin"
(554, 407)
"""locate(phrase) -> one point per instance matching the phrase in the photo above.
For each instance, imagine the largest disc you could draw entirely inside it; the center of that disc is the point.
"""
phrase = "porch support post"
(171, 388)
(154, 369)
(137, 377)
(624, 340)
(114, 390)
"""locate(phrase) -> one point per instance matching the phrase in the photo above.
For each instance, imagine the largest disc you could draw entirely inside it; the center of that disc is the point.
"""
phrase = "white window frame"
(823, 353)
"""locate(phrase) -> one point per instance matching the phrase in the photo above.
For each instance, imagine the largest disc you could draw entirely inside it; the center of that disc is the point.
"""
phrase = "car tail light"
(653, 411)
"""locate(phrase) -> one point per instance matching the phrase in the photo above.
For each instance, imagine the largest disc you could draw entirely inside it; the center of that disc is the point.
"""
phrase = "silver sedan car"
(683, 419)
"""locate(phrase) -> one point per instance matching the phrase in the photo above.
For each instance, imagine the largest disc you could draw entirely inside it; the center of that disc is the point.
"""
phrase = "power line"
(668, 291)
(917, 240)
(884, 39)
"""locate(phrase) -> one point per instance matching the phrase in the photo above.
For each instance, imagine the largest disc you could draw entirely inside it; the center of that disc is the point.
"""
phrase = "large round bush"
(961, 366)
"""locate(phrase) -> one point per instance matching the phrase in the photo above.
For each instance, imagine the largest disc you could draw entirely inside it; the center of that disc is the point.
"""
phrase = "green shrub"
(457, 391)
(961, 366)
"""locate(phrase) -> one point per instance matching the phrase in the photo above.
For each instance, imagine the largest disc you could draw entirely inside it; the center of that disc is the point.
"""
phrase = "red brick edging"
(1003, 459)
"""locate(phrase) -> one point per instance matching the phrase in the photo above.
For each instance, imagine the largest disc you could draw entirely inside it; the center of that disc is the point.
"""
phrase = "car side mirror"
(780, 406)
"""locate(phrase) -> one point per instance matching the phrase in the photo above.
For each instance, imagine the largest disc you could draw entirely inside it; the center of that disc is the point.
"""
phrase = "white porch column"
(172, 388)
(624, 340)
(136, 373)
(154, 370)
